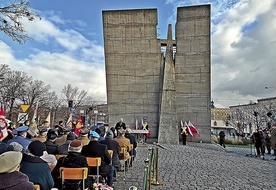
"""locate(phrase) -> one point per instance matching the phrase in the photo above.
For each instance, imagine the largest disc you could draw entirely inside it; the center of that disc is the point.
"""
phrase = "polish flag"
(192, 130)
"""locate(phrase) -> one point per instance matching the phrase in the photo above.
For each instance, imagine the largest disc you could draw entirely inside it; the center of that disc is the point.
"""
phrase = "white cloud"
(243, 49)
(80, 62)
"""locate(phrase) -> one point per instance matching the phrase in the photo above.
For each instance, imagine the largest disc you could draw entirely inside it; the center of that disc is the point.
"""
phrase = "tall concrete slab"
(168, 128)
(192, 68)
(139, 84)
(133, 66)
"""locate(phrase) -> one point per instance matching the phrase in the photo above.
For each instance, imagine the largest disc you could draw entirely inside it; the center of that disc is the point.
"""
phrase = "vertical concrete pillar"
(168, 129)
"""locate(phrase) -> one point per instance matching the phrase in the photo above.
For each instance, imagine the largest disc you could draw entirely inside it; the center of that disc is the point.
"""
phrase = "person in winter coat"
(273, 138)
(74, 159)
(258, 140)
(222, 138)
(10, 176)
(96, 149)
(35, 168)
(268, 141)
(113, 145)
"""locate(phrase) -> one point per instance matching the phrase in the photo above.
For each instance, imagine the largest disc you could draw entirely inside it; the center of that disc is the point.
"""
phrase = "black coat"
(95, 149)
(51, 147)
(72, 160)
(133, 141)
(63, 149)
(113, 145)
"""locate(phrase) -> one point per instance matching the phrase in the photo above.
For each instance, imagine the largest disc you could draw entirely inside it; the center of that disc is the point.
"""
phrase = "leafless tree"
(11, 16)
(73, 93)
(12, 86)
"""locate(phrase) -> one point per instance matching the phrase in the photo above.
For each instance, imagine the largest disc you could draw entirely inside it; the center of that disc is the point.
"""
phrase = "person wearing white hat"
(10, 176)
(21, 137)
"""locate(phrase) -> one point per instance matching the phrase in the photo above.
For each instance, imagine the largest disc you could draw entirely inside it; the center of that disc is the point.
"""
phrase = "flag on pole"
(78, 126)
(136, 124)
(181, 123)
(69, 121)
(3, 125)
(192, 130)
(34, 119)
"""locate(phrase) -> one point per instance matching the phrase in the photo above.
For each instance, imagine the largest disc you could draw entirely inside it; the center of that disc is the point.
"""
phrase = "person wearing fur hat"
(113, 145)
(74, 159)
(96, 149)
(32, 165)
(10, 176)
(21, 137)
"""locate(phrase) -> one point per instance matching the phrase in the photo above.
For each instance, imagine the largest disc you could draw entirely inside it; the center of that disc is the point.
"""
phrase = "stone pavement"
(203, 166)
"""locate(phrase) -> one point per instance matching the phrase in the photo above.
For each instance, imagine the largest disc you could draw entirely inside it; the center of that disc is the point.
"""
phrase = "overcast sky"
(67, 45)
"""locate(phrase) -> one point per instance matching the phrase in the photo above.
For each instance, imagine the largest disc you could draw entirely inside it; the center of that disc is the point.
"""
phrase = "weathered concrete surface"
(202, 166)
(134, 69)
(192, 68)
(133, 66)
(168, 128)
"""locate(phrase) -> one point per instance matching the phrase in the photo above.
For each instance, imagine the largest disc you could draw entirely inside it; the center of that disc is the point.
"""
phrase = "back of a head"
(36, 148)
(109, 135)
(75, 146)
(71, 136)
(51, 134)
(121, 132)
(10, 161)
(128, 130)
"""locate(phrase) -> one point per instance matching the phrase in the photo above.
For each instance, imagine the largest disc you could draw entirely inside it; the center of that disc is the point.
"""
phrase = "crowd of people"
(25, 153)
(264, 141)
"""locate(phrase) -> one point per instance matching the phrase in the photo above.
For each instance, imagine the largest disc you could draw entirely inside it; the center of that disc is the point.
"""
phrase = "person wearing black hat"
(10, 176)
(96, 149)
(32, 165)
(42, 135)
(74, 159)
(51, 147)
(63, 149)
(21, 137)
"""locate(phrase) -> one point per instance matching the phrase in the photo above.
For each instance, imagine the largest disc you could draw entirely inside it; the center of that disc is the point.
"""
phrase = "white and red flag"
(3, 124)
(192, 130)
(136, 124)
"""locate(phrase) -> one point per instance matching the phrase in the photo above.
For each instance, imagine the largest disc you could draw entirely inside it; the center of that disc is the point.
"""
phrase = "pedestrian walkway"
(202, 166)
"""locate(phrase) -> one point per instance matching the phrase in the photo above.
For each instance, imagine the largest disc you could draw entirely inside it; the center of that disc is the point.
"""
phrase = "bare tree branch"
(11, 19)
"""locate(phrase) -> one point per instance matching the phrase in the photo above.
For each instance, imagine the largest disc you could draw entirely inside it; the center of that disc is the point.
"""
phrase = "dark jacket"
(72, 160)
(37, 170)
(63, 149)
(15, 181)
(113, 145)
(96, 149)
(51, 147)
(4, 147)
(133, 141)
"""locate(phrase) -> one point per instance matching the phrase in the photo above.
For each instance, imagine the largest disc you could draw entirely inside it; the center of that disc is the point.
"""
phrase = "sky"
(67, 45)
